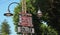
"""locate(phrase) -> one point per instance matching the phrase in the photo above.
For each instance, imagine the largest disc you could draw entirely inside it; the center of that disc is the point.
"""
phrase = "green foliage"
(47, 30)
(17, 10)
(50, 14)
(5, 28)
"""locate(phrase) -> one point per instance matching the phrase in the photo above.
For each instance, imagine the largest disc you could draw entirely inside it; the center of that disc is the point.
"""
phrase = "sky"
(3, 9)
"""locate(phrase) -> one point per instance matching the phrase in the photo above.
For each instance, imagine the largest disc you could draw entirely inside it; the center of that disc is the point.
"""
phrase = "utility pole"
(25, 21)
(24, 6)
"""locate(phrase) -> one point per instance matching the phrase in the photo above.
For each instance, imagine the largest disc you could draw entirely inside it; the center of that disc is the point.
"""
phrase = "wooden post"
(24, 6)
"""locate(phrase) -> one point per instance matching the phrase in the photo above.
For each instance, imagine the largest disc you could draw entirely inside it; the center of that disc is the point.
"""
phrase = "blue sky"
(3, 8)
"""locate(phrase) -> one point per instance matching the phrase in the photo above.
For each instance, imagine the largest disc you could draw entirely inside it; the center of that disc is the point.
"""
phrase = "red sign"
(26, 21)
